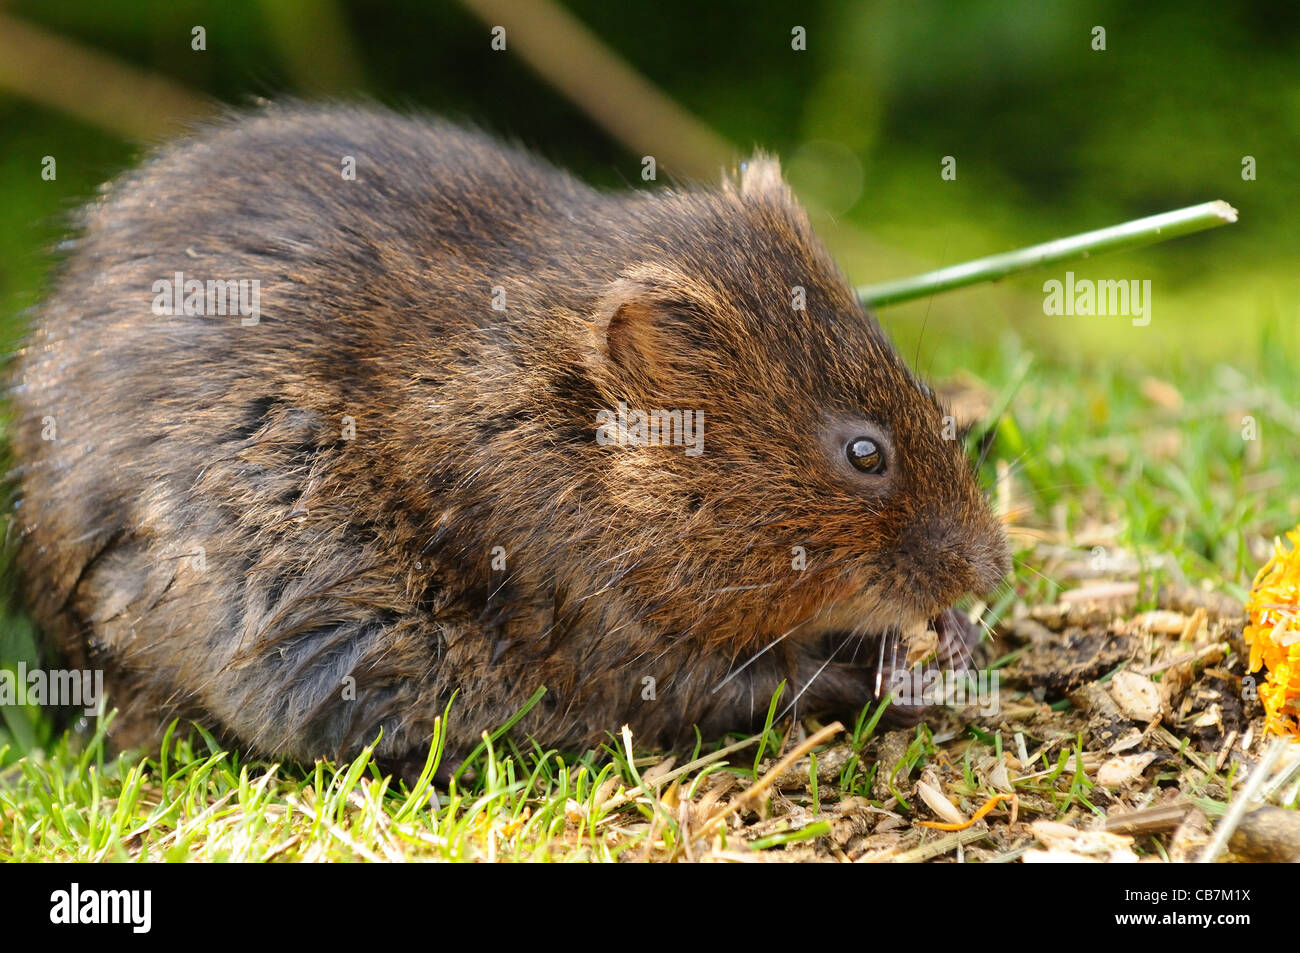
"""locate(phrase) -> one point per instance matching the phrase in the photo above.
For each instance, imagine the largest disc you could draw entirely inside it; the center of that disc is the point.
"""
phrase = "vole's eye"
(866, 455)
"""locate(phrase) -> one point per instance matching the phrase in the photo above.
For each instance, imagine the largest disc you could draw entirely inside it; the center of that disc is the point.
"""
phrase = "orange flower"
(1273, 634)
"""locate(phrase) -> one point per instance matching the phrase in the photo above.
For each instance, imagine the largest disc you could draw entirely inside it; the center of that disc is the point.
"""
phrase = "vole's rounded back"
(394, 470)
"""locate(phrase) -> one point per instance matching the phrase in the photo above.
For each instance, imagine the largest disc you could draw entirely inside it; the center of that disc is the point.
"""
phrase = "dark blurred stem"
(621, 101)
(96, 88)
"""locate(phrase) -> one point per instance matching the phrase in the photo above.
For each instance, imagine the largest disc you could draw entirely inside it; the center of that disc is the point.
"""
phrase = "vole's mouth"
(957, 636)
(945, 639)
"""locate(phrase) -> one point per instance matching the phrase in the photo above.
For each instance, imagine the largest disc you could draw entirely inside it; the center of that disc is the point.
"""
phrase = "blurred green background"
(1050, 137)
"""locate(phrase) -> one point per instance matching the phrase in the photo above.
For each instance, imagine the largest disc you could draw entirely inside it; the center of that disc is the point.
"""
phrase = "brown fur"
(372, 558)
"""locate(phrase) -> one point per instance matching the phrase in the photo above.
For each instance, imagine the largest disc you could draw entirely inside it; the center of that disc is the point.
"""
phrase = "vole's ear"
(649, 321)
(760, 177)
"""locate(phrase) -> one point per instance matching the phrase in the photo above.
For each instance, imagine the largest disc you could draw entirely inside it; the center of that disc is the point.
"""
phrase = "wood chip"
(1161, 621)
(1148, 820)
(1065, 843)
(1100, 592)
(1137, 696)
(1194, 625)
(937, 802)
(1122, 771)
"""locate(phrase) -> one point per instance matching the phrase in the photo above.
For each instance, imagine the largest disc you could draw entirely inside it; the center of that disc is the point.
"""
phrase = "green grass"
(197, 801)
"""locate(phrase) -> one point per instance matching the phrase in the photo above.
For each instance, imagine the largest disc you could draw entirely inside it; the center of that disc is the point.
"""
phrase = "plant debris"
(1122, 732)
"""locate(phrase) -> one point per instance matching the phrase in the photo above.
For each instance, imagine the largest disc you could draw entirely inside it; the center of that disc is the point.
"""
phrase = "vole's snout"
(950, 559)
(990, 562)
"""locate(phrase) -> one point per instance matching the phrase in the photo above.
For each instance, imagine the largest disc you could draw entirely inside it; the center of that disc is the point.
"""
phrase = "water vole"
(395, 470)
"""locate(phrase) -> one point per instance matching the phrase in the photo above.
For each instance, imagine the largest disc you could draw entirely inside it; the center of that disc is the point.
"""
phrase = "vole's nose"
(949, 559)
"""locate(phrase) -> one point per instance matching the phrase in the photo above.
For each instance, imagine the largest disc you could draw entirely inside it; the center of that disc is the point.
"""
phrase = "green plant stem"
(1134, 234)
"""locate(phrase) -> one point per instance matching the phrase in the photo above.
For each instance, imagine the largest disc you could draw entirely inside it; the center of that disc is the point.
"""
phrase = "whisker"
(880, 666)
(964, 655)
(988, 445)
(1011, 469)
(754, 658)
(1024, 565)
(817, 674)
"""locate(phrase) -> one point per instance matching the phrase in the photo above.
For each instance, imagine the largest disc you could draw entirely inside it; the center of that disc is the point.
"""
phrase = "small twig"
(936, 848)
(1134, 234)
(1222, 648)
(1183, 747)
(768, 779)
(1148, 820)
(1225, 750)
(621, 799)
